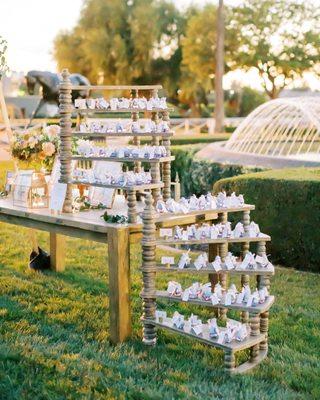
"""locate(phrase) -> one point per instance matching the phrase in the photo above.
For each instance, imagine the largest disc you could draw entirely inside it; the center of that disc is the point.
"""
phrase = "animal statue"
(49, 82)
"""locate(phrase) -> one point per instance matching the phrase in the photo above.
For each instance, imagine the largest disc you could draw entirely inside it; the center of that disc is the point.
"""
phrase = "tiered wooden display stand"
(161, 177)
(257, 316)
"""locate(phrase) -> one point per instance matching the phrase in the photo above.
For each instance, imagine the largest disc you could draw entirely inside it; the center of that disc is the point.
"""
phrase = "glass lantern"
(30, 190)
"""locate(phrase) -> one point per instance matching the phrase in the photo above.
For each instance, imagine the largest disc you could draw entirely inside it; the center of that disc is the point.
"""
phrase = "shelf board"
(122, 134)
(123, 159)
(116, 87)
(204, 338)
(192, 269)
(245, 207)
(260, 308)
(171, 242)
(121, 110)
(146, 186)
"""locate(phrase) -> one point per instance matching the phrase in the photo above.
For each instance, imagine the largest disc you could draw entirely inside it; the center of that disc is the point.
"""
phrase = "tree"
(199, 54)
(219, 99)
(116, 41)
(280, 38)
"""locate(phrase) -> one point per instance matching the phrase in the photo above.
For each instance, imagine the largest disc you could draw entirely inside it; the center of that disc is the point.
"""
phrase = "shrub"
(197, 176)
(288, 208)
(250, 99)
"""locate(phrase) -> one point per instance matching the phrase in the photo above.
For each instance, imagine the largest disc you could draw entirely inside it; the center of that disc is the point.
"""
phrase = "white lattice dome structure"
(287, 128)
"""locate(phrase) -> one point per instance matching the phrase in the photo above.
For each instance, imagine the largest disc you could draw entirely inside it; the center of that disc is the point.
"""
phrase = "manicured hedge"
(197, 176)
(288, 208)
(193, 139)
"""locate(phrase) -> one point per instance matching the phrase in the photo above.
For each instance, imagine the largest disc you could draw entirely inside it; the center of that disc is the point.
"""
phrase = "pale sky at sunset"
(31, 25)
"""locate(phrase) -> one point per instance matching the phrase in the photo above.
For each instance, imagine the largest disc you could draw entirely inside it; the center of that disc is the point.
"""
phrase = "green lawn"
(54, 337)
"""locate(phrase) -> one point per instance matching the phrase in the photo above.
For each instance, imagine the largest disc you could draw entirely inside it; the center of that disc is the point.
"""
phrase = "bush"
(194, 139)
(288, 208)
(250, 99)
(197, 176)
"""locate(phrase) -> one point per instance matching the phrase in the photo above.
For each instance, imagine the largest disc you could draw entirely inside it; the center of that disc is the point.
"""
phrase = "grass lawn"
(54, 336)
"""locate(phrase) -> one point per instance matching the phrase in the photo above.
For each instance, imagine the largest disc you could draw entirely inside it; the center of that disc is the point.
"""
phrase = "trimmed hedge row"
(197, 176)
(288, 208)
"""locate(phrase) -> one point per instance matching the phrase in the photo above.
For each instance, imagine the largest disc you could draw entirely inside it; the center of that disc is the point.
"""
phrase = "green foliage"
(250, 99)
(119, 41)
(197, 176)
(287, 208)
(54, 335)
(278, 37)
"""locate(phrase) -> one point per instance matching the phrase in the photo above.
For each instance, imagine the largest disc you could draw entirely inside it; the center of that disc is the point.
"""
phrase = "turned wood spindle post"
(229, 361)
(65, 109)
(255, 331)
(132, 206)
(223, 251)
(148, 293)
(245, 279)
(166, 167)
(263, 281)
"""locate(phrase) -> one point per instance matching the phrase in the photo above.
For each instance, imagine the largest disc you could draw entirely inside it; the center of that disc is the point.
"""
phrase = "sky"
(30, 27)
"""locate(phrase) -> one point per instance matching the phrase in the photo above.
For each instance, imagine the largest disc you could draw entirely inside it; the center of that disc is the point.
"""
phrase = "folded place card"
(165, 232)
(167, 260)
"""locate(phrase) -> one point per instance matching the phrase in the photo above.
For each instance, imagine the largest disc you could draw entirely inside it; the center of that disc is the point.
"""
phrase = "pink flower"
(32, 141)
(52, 131)
(48, 148)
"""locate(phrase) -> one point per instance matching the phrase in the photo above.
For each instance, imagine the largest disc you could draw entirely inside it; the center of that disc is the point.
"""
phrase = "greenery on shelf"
(287, 208)
(198, 176)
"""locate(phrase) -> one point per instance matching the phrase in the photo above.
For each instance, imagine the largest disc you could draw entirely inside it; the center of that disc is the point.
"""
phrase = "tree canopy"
(148, 41)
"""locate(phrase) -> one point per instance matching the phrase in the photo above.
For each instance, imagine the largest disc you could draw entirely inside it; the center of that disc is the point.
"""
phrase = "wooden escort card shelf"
(170, 242)
(234, 345)
(256, 316)
(121, 110)
(259, 308)
(124, 159)
(192, 269)
(165, 216)
(146, 186)
(122, 134)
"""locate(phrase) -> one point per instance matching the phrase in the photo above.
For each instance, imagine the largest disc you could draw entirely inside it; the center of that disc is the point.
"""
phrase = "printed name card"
(58, 195)
(261, 260)
(165, 232)
(167, 260)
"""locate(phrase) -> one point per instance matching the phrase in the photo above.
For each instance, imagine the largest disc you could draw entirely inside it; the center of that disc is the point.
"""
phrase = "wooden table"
(90, 226)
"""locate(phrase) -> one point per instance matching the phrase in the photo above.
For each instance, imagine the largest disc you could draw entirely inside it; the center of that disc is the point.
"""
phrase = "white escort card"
(167, 260)
(165, 232)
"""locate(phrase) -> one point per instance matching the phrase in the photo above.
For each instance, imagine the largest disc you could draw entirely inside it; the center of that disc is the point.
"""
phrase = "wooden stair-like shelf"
(256, 316)
(234, 345)
(145, 186)
(171, 242)
(192, 269)
(122, 134)
(123, 159)
(121, 110)
(259, 308)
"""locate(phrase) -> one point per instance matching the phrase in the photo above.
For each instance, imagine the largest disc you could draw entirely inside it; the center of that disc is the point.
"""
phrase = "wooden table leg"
(119, 283)
(57, 252)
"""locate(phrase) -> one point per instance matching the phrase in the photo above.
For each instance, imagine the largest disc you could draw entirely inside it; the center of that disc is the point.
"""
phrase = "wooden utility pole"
(219, 98)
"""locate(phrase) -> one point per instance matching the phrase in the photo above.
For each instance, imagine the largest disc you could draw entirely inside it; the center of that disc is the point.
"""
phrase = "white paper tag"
(216, 266)
(185, 295)
(197, 329)
(221, 338)
(167, 260)
(228, 263)
(249, 302)
(165, 232)
(58, 194)
(214, 299)
(261, 260)
(227, 300)
(185, 235)
(239, 299)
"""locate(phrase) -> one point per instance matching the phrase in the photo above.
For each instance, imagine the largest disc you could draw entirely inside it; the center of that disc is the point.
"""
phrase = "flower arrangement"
(37, 144)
